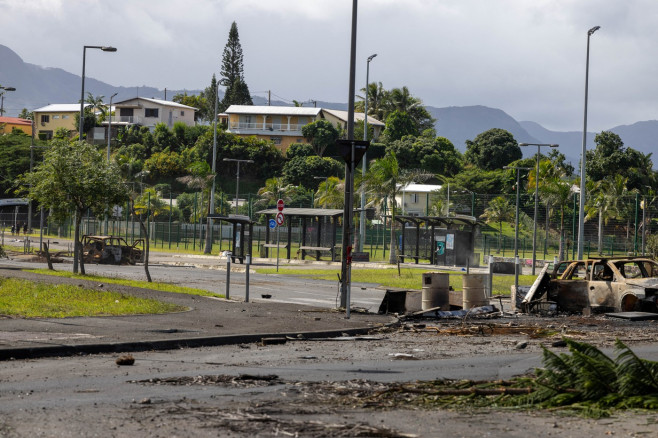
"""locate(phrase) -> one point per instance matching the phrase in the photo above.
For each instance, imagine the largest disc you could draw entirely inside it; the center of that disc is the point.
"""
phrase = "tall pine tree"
(237, 91)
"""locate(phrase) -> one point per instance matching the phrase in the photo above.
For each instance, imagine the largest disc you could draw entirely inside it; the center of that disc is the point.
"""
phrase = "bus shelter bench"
(304, 250)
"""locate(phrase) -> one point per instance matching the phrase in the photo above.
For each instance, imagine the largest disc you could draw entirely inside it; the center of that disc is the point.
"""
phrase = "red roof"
(16, 121)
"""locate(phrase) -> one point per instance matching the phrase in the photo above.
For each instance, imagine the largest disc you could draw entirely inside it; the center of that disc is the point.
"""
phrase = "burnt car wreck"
(111, 250)
(628, 284)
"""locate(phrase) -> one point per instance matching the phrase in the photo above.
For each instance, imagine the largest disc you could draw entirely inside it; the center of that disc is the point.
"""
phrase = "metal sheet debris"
(634, 316)
(446, 314)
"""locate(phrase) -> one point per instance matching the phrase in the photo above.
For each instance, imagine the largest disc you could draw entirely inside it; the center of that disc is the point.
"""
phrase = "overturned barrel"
(436, 291)
(474, 291)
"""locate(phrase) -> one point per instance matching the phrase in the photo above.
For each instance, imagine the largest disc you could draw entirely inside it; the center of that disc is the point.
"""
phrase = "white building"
(415, 199)
(149, 112)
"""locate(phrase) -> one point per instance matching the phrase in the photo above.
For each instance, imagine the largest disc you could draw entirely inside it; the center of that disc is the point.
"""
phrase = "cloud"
(525, 57)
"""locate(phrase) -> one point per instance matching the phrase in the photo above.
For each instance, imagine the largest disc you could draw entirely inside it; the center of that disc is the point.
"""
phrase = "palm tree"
(200, 177)
(597, 205)
(498, 211)
(330, 193)
(556, 189)
(385, 181)
(149, 203)
(402, 100)
(378, 100)
(97, 104)
(273, 190)
(616, 188)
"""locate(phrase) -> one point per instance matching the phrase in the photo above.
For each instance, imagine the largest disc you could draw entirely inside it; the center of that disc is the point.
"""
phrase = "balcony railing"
(131, 120)
(266, 127)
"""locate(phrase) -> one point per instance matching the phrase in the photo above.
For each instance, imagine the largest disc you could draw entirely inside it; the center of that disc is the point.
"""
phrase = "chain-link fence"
(623, 230)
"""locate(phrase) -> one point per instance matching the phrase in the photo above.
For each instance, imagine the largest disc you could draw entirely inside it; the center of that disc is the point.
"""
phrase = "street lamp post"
(581, 209)
(109, 136)
(237, 181)
(362, 217)
(82, 92)
(2, 98)
(326, 188)
(208, 247)
(109, 126)
(516, 223)
(534, 224)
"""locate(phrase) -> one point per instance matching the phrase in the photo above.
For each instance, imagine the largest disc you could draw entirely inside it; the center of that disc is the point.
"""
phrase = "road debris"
(126, 359)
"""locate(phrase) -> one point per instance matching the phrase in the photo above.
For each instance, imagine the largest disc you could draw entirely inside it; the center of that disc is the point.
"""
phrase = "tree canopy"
(75, 177)
(611, 157)
(321, 134)
(436, 155)
(492, 149)
(232, 72)
(302, 170)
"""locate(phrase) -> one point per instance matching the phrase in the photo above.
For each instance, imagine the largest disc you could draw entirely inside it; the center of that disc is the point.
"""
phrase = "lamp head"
(108, 49)
(592, 30)
(371, 56)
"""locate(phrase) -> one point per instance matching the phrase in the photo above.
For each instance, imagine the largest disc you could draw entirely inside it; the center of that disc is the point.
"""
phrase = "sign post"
(280, 218)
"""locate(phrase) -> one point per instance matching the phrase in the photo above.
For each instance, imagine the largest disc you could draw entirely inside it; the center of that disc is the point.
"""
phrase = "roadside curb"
(168, 344)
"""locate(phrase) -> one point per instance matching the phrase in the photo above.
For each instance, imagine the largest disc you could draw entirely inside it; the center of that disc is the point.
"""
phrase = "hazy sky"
(526, 57)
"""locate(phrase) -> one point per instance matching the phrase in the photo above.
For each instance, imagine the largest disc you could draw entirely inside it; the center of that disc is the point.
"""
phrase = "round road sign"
(279, 205)
(279, 218)
(272, 223)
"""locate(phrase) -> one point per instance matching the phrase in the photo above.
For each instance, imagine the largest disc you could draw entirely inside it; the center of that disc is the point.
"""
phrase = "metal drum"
(436, 291)
(474, 291)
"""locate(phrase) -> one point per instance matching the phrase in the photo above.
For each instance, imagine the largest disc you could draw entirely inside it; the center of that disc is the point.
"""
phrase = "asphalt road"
(209, 273)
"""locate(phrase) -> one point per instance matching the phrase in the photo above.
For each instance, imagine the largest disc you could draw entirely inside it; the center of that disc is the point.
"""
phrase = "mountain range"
(38, 86)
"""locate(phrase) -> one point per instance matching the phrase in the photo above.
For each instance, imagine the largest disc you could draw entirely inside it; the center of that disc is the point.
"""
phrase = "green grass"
(29, 299)
(164, 287)
(408, 278)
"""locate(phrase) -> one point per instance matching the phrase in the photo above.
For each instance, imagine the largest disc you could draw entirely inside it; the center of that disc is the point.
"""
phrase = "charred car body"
(111, 250)
(601, 285)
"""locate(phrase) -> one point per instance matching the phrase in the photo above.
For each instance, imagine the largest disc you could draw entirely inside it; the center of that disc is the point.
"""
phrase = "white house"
(149, 112)
(415, 199)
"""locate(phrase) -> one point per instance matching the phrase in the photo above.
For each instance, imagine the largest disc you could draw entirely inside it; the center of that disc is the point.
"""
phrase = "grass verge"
(30, 299)
(408, 278)
(163, 287)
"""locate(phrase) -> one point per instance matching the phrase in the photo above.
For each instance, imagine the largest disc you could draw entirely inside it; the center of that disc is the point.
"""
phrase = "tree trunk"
(77, 246)
(146, 245)
(561, 250)
(146, 253)
(600, 243)
(47, 253)
(392, 257)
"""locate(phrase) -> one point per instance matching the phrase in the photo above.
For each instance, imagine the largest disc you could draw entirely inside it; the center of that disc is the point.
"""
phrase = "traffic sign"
(272, 223)
(280, 218)
(345, 150)
(279, 205)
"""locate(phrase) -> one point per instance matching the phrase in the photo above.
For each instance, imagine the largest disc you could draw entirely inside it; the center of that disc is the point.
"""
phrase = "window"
(45, 135)
(126, 112)
(414, 198)
(151, 112)
(56, 116)
(65, 116)
(45, 118)
(276, 140)
(182, 113)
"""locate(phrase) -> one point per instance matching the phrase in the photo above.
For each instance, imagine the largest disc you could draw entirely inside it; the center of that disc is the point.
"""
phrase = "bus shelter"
(318, 231)
(441, 240)
(243, 231)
